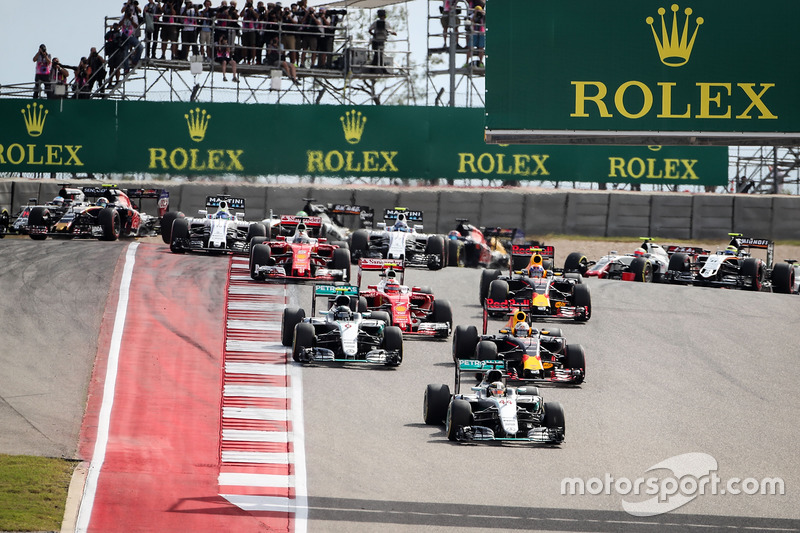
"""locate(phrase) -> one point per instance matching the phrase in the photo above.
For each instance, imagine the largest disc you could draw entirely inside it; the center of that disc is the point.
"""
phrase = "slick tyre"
(260, 256)
(486, 351)
(576, 262)
(575, 358)
(487, 277)
(582, 298)
(498, 290)
(459, 416)
(111, 223)
(642, 270)
(291, 317)
(179, 235)
(434, 407)
(303, 338)
(359, 242)
(39, 216)
(465, 339)
(455, 253)
(393, 341)
(554, 416)
(166, 225)
(442, 312)
(256, 229)
(783, 278)
(341, 261)
(753, 269)
(382, 315)
(435, 249)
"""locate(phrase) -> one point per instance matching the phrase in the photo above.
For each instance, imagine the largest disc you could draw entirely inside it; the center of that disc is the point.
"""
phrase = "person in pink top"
(43, 66)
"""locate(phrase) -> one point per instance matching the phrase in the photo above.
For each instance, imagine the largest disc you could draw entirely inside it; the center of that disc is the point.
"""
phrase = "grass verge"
(33, 491)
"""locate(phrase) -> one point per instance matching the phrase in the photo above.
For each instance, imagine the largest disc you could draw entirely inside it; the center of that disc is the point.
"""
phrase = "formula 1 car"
(299, 257)
(647, 263)
(413, 309)
(540, 292)
(493, 411)
(480, 247)
(333, 218)
(395, 239)
(112, 215)
(341, 334)
(224, 231)
(733, 267)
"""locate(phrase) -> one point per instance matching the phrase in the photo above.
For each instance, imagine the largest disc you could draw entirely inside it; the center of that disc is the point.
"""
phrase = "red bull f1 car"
(413, 309)
(299, 257)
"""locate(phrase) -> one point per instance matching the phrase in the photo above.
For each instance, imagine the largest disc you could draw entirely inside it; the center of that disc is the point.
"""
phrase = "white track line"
(104, 421)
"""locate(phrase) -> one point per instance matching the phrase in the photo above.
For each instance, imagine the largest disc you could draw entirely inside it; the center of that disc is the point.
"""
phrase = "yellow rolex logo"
(197, 120)
(34, 119)
(674, 50)
(353, 125)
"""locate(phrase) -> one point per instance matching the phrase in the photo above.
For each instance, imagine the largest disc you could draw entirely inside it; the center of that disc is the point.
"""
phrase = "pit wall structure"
(536, 211)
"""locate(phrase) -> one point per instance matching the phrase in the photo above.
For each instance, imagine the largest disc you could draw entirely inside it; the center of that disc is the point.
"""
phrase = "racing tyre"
(362, 305)
(256, 229)
(465, 339)
(39, 216)
(574, 275)
(303, 338)
(642, 270)
(486, 351)
(359, 242)
(442, 312)
(166, 225)
(498, 290)
(341, 261)
(179, 235)
(582, 298)
(111, 223)
(455, 253)
(459, 415)
(434, 408)
(576, 359)
(487, 277)
(252, 242)
(679, 262)
(783, 278)
(554, 416)
(382, 315)
(435, 247)
(291, 317)
(393, 341)
(576, 262)
(342, 244)
(260, 255)
(753, 269)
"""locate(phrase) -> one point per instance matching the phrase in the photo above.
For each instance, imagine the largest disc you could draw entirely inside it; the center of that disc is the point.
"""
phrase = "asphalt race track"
(670, 370)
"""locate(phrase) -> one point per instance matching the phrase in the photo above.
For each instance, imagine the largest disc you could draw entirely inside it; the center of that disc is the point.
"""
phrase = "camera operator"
(97, 70)
(311, 28)
(43, 67)
(249, 32)
(380, 31)
(330, 18)
(288, 32)
(82, 72)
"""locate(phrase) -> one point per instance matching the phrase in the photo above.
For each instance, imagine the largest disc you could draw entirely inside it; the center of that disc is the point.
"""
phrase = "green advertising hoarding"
(643, 72)
(183, 139)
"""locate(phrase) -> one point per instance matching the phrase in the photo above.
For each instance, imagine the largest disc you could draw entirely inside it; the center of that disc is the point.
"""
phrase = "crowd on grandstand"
(289, 37)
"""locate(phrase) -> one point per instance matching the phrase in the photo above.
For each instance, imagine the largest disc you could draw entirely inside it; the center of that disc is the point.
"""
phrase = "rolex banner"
(643, 72)
(181, 139)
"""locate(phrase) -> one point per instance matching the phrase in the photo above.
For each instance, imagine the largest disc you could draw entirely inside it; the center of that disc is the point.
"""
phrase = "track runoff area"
(184, 436)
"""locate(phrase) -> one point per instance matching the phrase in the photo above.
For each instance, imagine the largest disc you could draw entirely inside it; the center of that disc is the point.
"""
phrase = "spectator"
(189, 32)
(60, 76)
(82, 90)
(301, 41)
(43, 67)
(249, 32)
(380, 31)
(277, 58)
(221, 22)
(224, 58)
(152, 17)
(478, 35)
(169, 30)
(325, 42)
(97, 70)
(311, 33)
(288, 32)
(132, 8)
(233, 27)
(131, 48)
(206, 36)
(444, 9)
(114, 52)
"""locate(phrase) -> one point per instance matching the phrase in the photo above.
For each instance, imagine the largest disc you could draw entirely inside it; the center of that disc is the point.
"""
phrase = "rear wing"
(162, 195)
(411, 216)
(692, 250)
(289, 225)
(503, 306)
(758, 244)
(366, 215)
(233, 202)
(98, 191)
(373, 264)
(521, 251)
(481, 368)
(508, 234)
(331, 291)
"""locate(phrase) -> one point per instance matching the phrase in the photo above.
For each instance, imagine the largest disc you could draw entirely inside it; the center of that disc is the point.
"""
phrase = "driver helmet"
(343, 312)
(223, 215)
(58, 200)
(522, 329)
(391, 287)
(401, 225)
(301, 214)
(536, 271)
(731, 250)
(103, 201)
(496, 388)
(638, 252)
(453, 235)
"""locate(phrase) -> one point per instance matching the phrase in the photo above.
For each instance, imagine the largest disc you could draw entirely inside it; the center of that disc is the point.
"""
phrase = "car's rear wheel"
(359, 242)
(110, 222)
(393, 342)
(498, 290)
(575, 358)
(303, 338)
(486, 351)
(179, 235)
(459, 415)
(455, 253)
(679, 262)
(434, 408)
(465, 339)
(382, 315)
(582, 298)
(291, 317)
(260, 256)
(576, 262)
(487, 277)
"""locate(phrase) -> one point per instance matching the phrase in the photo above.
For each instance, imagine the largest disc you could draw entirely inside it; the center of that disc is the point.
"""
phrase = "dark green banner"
(693, 72)
(370, 141)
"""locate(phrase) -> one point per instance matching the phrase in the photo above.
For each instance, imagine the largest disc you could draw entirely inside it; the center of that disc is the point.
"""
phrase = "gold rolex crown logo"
(674, 49)
(197, 120)
(34, 118)
(353, 125)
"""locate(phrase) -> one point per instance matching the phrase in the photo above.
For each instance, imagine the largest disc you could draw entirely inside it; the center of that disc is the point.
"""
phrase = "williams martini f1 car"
(224, 231)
